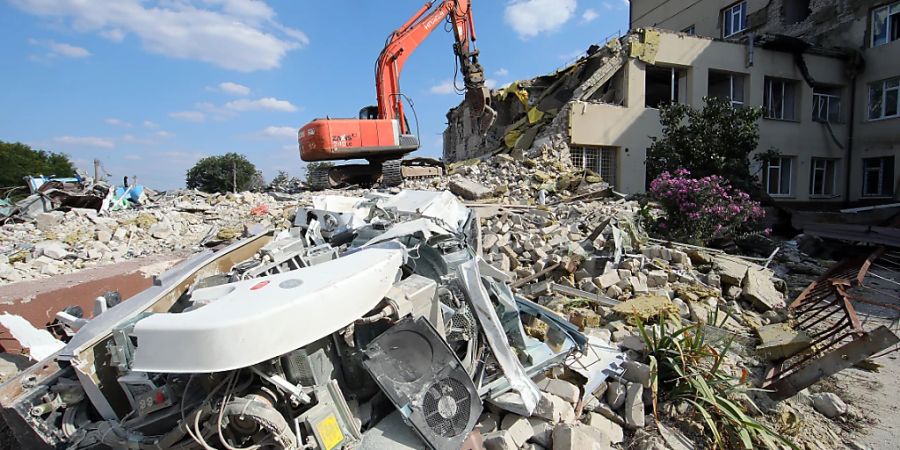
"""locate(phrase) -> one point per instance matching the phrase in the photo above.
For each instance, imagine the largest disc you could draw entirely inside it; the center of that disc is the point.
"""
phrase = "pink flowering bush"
(698, 210)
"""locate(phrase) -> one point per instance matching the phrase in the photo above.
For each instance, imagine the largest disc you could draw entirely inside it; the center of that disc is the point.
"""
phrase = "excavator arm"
(404, 41)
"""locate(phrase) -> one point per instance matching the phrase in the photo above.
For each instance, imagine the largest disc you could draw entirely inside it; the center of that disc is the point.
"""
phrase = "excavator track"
(392, 173)
(320, 179)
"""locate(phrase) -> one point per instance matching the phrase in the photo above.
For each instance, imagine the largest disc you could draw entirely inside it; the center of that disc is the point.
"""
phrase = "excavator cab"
(368, 113)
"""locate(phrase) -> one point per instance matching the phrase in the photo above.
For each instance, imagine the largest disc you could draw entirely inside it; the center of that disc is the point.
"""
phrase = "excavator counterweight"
(381, 134)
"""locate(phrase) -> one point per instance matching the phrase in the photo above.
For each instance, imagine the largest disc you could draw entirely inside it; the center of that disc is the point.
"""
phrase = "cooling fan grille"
(446, 406)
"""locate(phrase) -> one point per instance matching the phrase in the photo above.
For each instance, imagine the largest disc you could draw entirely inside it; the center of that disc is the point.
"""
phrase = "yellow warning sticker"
(330, 432)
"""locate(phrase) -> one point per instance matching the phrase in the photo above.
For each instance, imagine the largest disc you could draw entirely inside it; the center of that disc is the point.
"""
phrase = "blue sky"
(150, 86)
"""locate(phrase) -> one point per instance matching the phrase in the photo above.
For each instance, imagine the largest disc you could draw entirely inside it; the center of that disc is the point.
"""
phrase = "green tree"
(223, 173)
(18, 160)
(714, 140)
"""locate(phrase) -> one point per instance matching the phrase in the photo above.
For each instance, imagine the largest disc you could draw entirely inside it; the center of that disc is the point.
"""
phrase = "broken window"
(823, 179)
(726, 85)
(878, 177)
(691, 30)
(662, 85)
(795, 11)
(826, 104)
(885, 24)
(734, 19)
(600, 160)
(884, 99)
(780, 99)
(778, 176)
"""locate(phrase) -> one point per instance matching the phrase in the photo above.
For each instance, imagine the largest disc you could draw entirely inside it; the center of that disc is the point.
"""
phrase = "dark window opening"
(878, 177)
(796, 11)
(729, 86)
(826, 104)
(662, 86)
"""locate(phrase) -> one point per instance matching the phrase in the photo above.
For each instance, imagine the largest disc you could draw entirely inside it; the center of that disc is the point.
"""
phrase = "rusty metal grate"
(824, 311)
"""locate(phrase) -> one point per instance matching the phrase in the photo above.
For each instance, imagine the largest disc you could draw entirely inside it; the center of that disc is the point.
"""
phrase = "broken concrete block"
(575, 437)
(639, 285)
(611, 430)
(759, 290)
(160, 230)
(634, 406)
(554, 409)
(615, 395)
(634, 343)
(780, 341)
(646, 307)
(608, 279)
(469, 189)
(543, 431)
(637, 372)
(584, 318)
(47, 220)
(732, 272)
(51, 249)
(488, 423)
(829, 405)
(560, 388)
(499, 440)
(520, 430)
(657, 279)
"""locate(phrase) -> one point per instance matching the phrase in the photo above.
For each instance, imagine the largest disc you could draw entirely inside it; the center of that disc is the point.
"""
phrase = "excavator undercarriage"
(388, 173)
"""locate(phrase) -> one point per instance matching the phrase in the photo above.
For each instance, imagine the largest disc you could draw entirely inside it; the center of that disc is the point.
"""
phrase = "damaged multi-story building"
(825, 74)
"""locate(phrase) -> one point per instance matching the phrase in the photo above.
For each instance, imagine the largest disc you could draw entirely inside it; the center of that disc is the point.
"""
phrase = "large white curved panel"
(266, 317)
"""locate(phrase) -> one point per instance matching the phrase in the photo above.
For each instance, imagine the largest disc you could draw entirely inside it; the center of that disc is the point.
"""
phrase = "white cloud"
(285, 132)
(60, 49)
(443, 88)
(240, 35)
(133, 157)
(501, 72)
(188, 116)
(490, 83)
(268, 103)
(117, 122)
(233, 88)
(149, 124)
(164, 134)
(86, 141)
(530, 18)
(589, 15)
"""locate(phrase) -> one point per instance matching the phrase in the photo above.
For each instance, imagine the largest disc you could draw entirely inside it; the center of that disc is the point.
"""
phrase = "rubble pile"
(542, 259)
(58, 242)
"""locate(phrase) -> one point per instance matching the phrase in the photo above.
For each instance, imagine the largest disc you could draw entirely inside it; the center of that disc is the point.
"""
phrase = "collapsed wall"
(534, 114)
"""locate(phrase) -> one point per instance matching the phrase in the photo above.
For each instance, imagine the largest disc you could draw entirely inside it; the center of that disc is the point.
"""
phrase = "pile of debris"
(537, 301)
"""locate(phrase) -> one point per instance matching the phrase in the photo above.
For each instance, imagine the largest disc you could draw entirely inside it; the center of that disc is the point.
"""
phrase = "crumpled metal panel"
(251, 321)
(496, 338)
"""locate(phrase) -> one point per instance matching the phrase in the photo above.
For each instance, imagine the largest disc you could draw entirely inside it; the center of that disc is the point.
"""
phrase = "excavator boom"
(382, 134)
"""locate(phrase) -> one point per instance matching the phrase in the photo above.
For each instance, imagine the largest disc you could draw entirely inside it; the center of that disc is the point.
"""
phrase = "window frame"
(818, 98)
(768, 98)
(780, 167)
(882, 171)
(741, 15)
(606, 159)
(891, 8)
(691, 30)
(814, 170)
(884, 94)
(732, 77)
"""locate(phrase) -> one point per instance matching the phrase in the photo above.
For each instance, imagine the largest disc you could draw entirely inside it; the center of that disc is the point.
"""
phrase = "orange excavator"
(382, 135)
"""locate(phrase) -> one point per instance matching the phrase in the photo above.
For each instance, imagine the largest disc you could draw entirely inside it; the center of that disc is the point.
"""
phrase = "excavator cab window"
(368, 113)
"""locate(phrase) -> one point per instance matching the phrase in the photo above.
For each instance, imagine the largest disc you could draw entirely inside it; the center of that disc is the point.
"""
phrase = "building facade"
(858, 107)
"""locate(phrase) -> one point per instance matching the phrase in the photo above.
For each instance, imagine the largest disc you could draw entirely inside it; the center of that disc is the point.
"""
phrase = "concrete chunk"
(780, 341)
(575, 437)
(732, 272)
(634, 406)
(499, 440)
(615, 395)
(469, 189)
(612, 431)
(519, 428)
(560, 388)
(760, 290)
